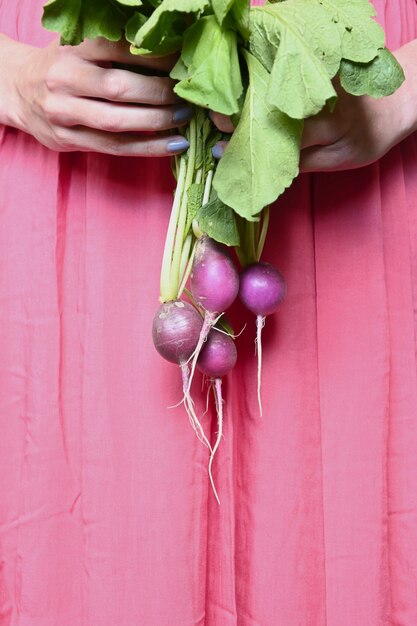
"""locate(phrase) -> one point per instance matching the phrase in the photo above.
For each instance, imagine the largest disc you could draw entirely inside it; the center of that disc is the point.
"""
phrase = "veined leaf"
(262, 158)
(362, 37)
(211, 55)
(195, 196)
(380, 77)
(218, 221)
(301, 46)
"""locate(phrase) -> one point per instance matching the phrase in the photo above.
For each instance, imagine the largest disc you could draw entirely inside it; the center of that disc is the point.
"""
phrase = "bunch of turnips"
(269, 68)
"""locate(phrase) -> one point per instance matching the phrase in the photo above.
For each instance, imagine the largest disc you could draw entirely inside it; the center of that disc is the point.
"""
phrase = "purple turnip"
(214, 286)
(262, 289)
(176, 330)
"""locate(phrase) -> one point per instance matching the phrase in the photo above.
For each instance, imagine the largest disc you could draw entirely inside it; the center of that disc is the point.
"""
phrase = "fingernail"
(217, 151)
(177, 145)
(182, 114)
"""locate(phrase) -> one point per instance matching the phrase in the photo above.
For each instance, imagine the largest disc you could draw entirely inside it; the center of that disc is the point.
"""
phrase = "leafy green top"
(270, 67)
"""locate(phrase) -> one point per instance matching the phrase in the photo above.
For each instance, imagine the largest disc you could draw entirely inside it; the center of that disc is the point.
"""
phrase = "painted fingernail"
(182, 114)
(217, 151)
(177, 145)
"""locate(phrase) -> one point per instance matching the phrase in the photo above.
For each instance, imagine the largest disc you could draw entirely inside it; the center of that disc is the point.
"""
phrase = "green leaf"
(361, 36)
(77, 20)
(179, 71)
(262, 158)
(130, 3)
(136, 21)
(195, 196)
(221, 8)
(214, 79)
(304, 47)
(381, 77)
(240, 12)
(167, 22)
(218, 221)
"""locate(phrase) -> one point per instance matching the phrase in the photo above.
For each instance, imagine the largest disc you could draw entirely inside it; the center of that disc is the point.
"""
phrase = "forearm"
(13, 58)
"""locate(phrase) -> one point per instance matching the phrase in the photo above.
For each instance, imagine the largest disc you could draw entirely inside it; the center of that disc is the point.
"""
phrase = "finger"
(330, 158)
(223, 122)
(103, 50)
(218, 149)
(124, 144)
(321, 130)
(112, 84)
(117, 118)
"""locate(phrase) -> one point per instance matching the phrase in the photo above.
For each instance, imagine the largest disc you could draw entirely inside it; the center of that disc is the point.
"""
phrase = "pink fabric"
(106, 518)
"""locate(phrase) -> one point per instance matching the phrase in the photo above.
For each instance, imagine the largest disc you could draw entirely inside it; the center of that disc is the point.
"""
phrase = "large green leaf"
(167, 22)
(77, 20)
(301, 46)
(362, 37)
(262, 158)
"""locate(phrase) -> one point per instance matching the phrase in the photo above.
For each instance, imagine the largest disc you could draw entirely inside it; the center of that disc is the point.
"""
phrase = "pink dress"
(106, 517)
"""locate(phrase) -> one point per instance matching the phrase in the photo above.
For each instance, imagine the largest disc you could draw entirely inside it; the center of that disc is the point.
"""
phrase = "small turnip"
(176, 330)
(262, 289)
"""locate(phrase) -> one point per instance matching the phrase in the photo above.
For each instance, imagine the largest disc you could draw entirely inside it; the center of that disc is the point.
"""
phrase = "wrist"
(407, 93)
(14, 58)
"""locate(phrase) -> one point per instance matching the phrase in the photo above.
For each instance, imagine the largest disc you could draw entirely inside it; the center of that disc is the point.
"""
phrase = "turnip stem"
(207, 187)
(168, 291)
(250, 246)
(260, 323)
(219, 409)
(185, 254)
(187, 272)
(264, 231)
(175, 279)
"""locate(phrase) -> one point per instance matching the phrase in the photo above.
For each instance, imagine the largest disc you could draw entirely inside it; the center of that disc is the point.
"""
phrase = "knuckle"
(112, 146)
(114, 86)
(54, 77)
(163, 93)
(112, 123)
(157, 120)
(50, 109)
(62, 138)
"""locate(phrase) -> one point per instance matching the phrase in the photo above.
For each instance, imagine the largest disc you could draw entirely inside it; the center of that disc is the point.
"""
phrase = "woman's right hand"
(71, 98)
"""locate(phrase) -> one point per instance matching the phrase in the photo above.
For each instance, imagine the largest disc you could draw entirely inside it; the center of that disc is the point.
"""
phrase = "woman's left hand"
(360, 130)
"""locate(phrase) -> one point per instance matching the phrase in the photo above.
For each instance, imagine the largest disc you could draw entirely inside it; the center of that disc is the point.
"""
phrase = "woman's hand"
(71, 98)
(360, 130)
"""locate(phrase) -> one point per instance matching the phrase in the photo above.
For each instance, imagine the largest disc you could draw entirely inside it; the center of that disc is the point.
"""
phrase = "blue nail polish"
(182, 114)
(177, 145)
(217, 151)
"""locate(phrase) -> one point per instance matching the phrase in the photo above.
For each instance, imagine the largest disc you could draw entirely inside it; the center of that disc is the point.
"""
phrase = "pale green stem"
(175, 278)
(187, 272)
(168, 290)
(207, 187)
(185, 255)
(264, 231)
